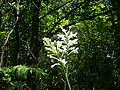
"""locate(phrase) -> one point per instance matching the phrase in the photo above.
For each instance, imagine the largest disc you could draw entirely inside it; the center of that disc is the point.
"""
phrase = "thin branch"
(29, 49)
(35, 5)
(6, 41)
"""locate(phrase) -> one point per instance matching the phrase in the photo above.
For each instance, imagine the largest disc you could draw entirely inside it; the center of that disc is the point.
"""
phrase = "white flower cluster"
(66, 42)
(61, 48)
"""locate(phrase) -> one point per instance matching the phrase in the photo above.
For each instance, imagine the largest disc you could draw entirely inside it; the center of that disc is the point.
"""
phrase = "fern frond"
(18, 76)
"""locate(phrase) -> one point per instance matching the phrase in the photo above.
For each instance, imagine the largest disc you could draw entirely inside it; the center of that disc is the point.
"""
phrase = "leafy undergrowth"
(19, 76)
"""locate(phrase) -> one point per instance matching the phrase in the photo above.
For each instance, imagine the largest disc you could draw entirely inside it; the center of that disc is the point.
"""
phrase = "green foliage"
(24, 24)
(18, 76)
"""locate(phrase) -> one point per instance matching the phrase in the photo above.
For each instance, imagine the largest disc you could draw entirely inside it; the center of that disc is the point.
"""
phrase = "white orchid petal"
(63, 61)
(52, 66)
(60, 35)
(63, 30)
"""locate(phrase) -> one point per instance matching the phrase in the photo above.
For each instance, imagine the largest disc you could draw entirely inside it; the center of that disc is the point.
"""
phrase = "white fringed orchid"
(61, 49)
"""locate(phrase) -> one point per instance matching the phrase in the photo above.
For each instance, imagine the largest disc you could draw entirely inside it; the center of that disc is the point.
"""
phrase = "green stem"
(66, 75)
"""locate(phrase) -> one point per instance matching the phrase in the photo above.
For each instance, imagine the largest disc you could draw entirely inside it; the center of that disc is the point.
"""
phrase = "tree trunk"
(17, 38)
(34, 42)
